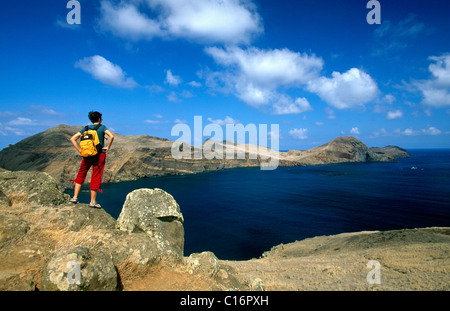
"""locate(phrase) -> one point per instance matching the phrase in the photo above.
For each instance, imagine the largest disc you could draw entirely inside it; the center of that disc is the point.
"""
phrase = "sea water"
(240, 213)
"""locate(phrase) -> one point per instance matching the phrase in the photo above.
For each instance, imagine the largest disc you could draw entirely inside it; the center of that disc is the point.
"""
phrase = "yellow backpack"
(89, 142)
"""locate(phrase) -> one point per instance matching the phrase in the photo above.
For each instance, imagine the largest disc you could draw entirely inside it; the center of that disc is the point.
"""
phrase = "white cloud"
(106, 72)
(172, 97)
(127, 22)
(227, 120)
(194, 84)
(255, 75)
(6, 130)
(346, 90)
(268, 68)
(330, 112)
(172, 79)
(430, 130)
(354, 131)
(155, 121)
(436, 90)
(20, 121)
(389, 99)
(207, 21)
(286, 105)
(179, 121)
(299, 133)
(392, 115)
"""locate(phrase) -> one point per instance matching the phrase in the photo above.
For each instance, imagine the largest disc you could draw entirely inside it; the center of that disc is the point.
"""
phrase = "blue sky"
(316, 68)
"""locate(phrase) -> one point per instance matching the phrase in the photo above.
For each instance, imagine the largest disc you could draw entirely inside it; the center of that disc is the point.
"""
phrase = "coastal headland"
(135, 157)
(47, 243)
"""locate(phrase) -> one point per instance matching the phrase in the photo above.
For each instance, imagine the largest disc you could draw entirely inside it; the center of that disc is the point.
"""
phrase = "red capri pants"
(98, 164)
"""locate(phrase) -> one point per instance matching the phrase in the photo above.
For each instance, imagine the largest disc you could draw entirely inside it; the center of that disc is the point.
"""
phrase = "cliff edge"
(49, 244)
(134, 157)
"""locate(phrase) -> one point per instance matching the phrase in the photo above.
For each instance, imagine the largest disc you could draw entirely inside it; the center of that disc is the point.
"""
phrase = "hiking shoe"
(74, 200)
(95, 205)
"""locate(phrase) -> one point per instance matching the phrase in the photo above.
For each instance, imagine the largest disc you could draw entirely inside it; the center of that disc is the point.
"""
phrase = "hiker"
(97, 161)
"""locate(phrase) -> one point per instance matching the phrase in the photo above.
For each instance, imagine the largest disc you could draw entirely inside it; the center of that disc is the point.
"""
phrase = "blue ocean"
(240, 213)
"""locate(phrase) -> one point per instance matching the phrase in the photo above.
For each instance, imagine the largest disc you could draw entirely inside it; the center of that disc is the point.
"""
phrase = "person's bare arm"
(74, 139)
(110, 140)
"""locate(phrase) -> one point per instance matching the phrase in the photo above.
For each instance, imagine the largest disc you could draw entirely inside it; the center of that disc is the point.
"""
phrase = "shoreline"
(40, 228)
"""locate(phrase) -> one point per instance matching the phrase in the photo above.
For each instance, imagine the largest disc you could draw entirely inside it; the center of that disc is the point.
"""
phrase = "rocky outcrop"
(134, 157)
(43, 244)
(156, 213)
(30, 187)
(391, 151)
(408, 259)
(339, 150)
(12, 228)
(79, 269)
(73, 247)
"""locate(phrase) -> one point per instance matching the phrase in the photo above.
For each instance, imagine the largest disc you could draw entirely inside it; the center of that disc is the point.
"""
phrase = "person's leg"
(81, 176)
(96, 179)
(94, 196)
(77, 190)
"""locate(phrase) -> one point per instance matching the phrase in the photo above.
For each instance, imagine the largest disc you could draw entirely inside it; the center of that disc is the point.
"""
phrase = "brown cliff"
(41, 234)
(134, 157)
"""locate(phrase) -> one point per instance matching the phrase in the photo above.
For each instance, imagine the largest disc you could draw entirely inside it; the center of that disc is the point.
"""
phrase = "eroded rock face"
(12, 228)
(79, 269)
(41, 232)
(156, 213)
(206, 263)
(134, 157)
(31, 187)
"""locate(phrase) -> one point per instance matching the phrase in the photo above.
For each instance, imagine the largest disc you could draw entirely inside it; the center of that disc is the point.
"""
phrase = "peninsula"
(135, 157)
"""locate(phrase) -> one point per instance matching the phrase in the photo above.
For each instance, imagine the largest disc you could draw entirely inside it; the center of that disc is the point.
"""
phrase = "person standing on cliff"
(97, 162)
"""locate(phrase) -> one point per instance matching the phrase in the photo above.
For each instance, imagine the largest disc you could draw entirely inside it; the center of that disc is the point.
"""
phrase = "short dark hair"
(94, 116)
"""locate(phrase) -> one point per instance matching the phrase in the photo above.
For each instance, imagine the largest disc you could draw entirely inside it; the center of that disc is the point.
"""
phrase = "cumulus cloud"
(126, 21)
(261, 77)
(436, 90)
(172, 79)
(430, 130)
(354, 131)
(106, 72)
(207, 21)
(255, 75)
(285, 105)
(345, 90)
(179, 121)
(194, 84)
(20, 121)
(396, 114)
(269, 68)
(299, 133)
(225, 121)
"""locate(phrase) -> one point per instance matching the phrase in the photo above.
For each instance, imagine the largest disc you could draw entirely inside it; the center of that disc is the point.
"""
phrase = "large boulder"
(156, 213)
(12, 228)
(4, 199)
(79, 269)
(205, 263)
(31, 187)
